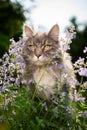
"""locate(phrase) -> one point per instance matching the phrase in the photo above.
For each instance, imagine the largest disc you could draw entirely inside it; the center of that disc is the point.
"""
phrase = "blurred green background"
(11, 22)
(12, 18)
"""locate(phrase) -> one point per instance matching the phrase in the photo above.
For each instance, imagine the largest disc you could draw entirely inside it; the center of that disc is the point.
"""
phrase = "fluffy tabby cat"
(46, 64)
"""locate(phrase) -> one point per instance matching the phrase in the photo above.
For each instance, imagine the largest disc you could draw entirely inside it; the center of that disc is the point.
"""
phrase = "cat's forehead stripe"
(40, 39)
(40, 36)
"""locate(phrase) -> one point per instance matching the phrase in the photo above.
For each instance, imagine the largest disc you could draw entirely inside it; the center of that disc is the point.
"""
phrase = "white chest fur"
(45, 78)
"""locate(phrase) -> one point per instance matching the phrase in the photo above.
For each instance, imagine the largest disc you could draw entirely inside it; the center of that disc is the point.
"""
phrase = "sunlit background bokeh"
(48, 12)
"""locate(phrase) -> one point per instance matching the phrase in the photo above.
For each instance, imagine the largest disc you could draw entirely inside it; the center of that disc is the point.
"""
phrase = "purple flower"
(44, 104)
(79, 62)
(12, 40)
(57, 66)
(64, 94)
(1, 60)
(70, 34)
(5, 55)
(30, 81)
(17, 82)
(18, 59)
(0, 88)
(21, 43)
(68, 109)
(75, 96)
(85, 50)
(74, 82)
(12, 79)
(3, 89)
(82, 72)
(64, 75)
(82, 99)
(66, 47)
(1, 82)
(84, 114)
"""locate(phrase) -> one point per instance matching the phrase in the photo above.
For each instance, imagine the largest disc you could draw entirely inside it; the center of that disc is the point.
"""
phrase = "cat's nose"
(38, 52)
(38, 55)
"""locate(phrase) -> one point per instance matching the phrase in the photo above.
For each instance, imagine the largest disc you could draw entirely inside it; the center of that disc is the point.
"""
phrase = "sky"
(46, 13)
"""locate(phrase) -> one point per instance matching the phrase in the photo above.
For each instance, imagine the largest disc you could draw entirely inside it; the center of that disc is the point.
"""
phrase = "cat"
(46, 63)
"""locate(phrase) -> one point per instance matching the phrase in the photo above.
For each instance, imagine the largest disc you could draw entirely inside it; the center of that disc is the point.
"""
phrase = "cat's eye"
(47, 47)
(32, 47)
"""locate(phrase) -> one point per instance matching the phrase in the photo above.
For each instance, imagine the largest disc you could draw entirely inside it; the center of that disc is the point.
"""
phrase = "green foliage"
(11, 17)
(4, 43)
(24, 109)
(11, 22)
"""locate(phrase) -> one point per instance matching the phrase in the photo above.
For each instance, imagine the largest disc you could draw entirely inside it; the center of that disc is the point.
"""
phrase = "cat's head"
(40, 49)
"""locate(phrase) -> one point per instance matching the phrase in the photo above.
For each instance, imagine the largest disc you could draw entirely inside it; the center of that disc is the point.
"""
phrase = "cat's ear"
(54, 32)
(27, 32)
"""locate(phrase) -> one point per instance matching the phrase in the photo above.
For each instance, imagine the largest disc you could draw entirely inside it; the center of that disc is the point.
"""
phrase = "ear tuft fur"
(54, 32)
(27, 32)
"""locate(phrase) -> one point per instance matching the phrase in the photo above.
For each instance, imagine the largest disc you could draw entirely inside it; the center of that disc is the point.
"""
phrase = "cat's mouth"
(40, 61)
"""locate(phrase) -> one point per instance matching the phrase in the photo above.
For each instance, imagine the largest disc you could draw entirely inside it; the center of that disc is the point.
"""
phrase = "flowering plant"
(24, 109)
